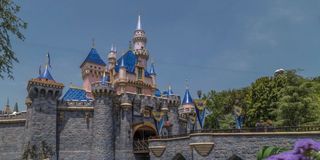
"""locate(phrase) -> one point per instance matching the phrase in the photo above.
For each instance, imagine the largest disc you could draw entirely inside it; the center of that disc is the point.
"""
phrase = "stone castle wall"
(225, 145)
(11, 139)
(74, 134)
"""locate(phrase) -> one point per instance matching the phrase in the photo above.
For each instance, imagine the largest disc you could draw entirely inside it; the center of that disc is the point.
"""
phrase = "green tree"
(10, 25)
(299, 103)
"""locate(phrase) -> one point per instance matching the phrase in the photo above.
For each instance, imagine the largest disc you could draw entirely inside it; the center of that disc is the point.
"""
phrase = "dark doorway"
(178, 156)
(235, 157)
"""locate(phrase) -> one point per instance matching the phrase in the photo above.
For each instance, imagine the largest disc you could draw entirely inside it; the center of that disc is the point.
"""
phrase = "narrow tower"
(92, 69)
(103, 121)
(139, 44)
(42, 99)
(112, 59)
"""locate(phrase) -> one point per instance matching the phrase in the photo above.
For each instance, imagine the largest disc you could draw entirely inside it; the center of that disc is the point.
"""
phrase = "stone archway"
(143, 132)
(141, 135)
(178, 156)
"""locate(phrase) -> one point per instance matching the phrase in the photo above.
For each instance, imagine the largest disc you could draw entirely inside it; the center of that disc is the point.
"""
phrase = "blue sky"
(214, 44)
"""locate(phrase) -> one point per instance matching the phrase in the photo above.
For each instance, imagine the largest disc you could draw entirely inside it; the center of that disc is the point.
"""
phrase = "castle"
(119, 113)
(110, 117)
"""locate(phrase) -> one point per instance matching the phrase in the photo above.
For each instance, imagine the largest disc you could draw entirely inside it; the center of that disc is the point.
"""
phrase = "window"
(140, 72)
(139, 90)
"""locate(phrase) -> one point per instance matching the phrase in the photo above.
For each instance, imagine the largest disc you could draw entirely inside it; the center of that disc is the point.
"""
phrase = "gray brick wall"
(74, 134)
(244, 146)
(11, 141)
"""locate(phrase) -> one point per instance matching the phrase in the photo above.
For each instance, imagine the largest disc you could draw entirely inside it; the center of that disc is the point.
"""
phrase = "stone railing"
(20, 115)
(248, 130)
(141, 146)
(262, 129)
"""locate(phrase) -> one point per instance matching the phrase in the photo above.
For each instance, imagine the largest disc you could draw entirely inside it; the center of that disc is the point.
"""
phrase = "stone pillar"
(103, 123)
(124, 139)
(41, 125)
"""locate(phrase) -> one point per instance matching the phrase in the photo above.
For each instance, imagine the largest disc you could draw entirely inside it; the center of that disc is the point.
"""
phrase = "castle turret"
(103, 121)
(92, 69)
(112, 57)
(124, 137)
(42, 99)
(139, 44)
(173, 104)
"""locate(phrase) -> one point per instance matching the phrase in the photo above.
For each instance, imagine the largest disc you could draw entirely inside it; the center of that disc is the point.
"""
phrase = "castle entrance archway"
(141, 135)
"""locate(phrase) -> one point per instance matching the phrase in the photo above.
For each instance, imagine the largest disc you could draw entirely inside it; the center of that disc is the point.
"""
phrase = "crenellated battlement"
(44, 88)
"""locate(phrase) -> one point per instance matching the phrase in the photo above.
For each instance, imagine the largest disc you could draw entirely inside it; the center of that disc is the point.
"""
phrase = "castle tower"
(103, 121)
(174, 102)
(124, 137)
(139, 45)
(42, 99)
(92, 69)
(112, 60)
(187, 110)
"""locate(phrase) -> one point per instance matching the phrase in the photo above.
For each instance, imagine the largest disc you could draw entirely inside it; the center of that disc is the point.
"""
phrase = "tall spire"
(7, 101)
(122, 62)
(16, 108)
(152, 70)
(139, 23)
(112, 49)
(187, 99)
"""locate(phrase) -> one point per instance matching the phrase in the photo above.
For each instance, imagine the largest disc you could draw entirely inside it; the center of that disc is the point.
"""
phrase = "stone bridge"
(227, 144)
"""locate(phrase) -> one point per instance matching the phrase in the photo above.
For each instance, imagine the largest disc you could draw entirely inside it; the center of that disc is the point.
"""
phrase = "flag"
(159, 122)
(202, 116)
(49, 61)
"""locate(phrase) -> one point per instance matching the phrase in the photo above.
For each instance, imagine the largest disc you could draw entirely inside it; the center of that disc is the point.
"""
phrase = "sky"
(214, 44)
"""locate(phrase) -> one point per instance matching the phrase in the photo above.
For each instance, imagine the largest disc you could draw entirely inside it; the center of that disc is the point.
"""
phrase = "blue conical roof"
(152, 70)
(187, 99)
(94, 57)
(46, 74)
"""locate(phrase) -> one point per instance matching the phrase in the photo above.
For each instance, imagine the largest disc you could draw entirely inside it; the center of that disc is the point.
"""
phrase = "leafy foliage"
(10, 25)
(303, 149)
(285, 99)
(267, 151)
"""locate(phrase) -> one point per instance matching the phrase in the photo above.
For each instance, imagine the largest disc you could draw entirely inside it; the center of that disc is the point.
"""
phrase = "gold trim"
(203, 148)
(49, 83)
(239, 134)
(148, 124)
(75, 108)
(10, 121)
(157, 150)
